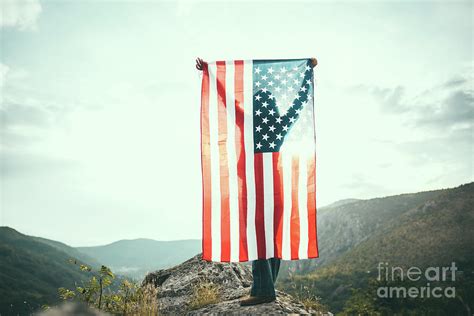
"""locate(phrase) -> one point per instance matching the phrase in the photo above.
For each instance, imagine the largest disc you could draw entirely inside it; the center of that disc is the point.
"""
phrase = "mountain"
(136, 257)
(426, 229)
(31, 271)
(342, 202)
(71, 251)
(345, 224)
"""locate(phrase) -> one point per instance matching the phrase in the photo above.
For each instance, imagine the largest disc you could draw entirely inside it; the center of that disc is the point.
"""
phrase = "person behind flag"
(264, 271)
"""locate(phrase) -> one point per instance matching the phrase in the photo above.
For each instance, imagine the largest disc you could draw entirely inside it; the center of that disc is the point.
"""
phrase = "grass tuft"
(204, 294)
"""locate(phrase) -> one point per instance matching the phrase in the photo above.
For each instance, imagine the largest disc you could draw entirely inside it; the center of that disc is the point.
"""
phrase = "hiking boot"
(255, 300)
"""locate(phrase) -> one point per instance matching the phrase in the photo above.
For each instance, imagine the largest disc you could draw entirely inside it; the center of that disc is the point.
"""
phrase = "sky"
(100, 105)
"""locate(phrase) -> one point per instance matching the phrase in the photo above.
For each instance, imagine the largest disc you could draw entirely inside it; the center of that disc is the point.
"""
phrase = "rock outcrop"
(177, 290)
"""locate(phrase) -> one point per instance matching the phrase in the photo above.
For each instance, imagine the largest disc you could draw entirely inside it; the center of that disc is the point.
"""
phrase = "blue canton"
(282, 90)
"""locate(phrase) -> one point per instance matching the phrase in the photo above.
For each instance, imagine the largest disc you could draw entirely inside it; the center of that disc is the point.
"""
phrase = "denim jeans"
(265, 272)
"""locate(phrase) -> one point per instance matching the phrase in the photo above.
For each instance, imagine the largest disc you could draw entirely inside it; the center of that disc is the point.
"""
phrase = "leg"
(275, 266)
(263, 278)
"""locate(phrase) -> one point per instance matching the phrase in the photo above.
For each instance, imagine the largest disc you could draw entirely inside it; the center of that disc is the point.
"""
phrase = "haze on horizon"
(99, 136)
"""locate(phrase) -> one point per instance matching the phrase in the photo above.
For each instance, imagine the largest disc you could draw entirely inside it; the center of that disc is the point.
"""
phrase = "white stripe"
(232, 163)
(215, 172)
(268, 203)
(286, 166)
(249, 160)
(303, 207)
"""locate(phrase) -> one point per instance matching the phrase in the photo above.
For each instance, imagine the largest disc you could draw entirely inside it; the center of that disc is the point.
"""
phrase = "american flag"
(258, 160)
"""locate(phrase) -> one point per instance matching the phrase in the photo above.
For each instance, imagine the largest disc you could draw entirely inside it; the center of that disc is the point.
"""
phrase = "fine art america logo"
(424, 276)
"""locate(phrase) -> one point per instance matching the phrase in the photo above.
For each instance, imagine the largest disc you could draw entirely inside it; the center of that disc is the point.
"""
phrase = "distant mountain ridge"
(31, 271)
(71, 251)
(342, 202)
(138, 256)
(33, 268)
(345, 224)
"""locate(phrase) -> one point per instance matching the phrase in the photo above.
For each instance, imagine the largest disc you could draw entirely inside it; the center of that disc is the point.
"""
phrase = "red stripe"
(312, 227)
(277, 203)
(240, 153)
(206, 168)
(295, 218)
(259, 206)
(223, 163)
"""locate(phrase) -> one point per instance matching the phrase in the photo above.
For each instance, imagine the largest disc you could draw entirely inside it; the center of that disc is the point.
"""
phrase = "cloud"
(455, 82)
(20, 14)
(16, 163)
(445, 106)
(449, 147)
(391, 100)
(457, 109)
(3, 74)
(13, 115)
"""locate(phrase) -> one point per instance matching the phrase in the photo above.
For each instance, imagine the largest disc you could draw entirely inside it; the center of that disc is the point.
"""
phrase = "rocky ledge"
(177, 290)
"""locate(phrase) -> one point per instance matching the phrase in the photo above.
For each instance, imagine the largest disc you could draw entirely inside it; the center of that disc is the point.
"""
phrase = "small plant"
(204, 294)
(128, 298)
(305, 294)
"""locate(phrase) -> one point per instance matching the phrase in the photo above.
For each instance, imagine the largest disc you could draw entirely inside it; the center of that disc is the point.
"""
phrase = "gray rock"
(176, 289)
(284, 304)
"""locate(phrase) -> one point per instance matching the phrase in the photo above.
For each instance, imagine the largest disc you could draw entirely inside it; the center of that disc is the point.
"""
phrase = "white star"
(257, 83)
(302, 74)
(279, 136)
(265, 104)
(270, 70)
(259, 146)
(278, 120)
(308, 82)
(298, 111)
(277, 77)
(265, 137)
(284, 81)
(290, 89)
(303, 89)
(272, 145)
(258, 128)
(295, 68)
(265, 120)
(290, 75)
(283, 70)
(271, 112)
(258, 97)
(297, 96)
(257, 70)
(284, 96)
(307, 68)
(292, 119)
(270, 83)
(272, 128)
(310, 97)
(258, 112)
(264, 90)
(264, 77)
(277, 89)
(285, 128)
(305, 103)
(295, 81)
(271, 96)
